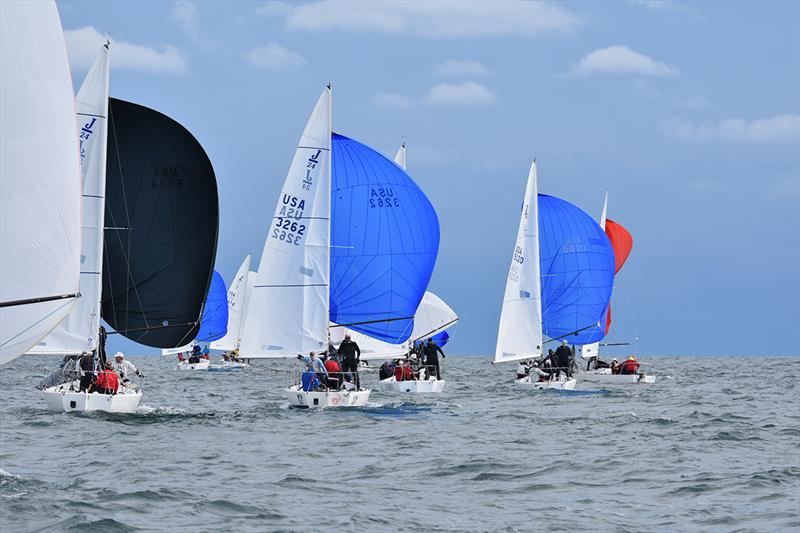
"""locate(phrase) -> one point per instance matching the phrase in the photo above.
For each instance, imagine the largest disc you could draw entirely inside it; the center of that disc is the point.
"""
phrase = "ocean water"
(714, 445)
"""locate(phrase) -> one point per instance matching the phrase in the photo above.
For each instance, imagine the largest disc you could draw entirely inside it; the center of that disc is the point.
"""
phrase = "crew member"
(310, 381)
(350, 355)
(563, 359)
(107, 381)
(431, 351)
(334, 372)
(615, 366)
(523, 369)
(125, 368)
(629, 366)
(86, 365)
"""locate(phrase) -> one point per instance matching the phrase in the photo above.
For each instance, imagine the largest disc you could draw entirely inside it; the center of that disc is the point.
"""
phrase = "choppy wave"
(223, 452)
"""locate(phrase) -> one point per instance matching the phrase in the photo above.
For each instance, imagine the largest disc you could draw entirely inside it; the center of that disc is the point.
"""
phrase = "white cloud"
(397, 101)
(427, 19)
(185, 12)
(84, 43)
(462, 67)
(463, 94)
(620, 59)
(777, 129)
(274, 56)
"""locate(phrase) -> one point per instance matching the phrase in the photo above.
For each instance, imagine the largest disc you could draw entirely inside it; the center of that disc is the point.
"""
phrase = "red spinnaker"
(622, 242)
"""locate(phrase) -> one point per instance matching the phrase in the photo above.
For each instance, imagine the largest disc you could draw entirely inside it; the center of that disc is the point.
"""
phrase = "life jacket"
(629, 367)
(108, 379)
(332, 366)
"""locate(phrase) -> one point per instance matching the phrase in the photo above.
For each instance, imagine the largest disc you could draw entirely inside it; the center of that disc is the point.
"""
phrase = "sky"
(687, 113)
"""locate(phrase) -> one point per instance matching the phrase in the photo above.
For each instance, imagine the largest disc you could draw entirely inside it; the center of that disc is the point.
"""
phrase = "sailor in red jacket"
(629, 366)
(107, 381)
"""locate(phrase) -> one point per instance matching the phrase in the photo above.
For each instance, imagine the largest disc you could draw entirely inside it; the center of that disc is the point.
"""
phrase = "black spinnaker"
(162, 219)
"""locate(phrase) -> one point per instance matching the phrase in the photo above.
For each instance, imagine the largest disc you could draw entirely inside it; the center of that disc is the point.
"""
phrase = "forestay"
(520, 333)
(161, 221)
(78, 331)
(287, 311)
(237, 297)
(577, 272)
(40, 177)
(384, 242)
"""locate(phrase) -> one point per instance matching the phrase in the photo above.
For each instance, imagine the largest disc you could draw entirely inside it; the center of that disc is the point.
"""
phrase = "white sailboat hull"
(419, 386)
(605, 377)
(186, 365)
(313, 400)
(65, 399)
(556, 384)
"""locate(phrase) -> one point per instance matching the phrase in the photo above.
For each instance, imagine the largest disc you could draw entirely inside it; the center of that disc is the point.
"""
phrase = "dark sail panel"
(162, 218)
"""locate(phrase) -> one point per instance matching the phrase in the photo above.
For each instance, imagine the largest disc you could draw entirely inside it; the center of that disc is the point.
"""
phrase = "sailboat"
(341, 248)
(431, 320)
(40, 181)
(213, 326)
(144, 253)
(560, 277)
(237, 299)
(622, 243)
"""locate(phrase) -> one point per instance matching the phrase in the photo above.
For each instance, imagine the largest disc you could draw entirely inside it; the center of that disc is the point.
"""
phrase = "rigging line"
(370, 322)
(125, 255)
(285, 286)
(571, 333)
(148, 329)
(437, 330)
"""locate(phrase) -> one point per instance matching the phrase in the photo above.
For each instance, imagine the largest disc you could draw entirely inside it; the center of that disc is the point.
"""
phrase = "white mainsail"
(78, 331)
(237, 297)
(400, 156)
(593, 350)
(289, 302)
(520, 332)
(40, 177)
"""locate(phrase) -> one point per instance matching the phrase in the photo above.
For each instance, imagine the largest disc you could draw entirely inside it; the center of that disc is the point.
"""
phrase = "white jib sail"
(78, 331)
(593, 350)
(288, 309)
(400, 156)
(237, 295)
(40, 177)
(520, 332)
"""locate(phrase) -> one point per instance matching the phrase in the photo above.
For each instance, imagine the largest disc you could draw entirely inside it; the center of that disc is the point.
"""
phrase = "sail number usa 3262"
(288, 227)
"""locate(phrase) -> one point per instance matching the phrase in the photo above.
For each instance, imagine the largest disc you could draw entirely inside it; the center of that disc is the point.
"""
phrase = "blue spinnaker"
(577, 270)
(214, 324)
(441, 338)
(384, 241)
